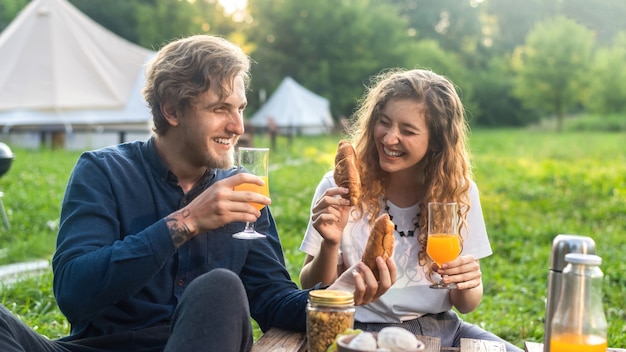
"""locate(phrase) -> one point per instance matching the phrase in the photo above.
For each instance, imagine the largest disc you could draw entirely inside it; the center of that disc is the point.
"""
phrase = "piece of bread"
(346, 172)
(379, 243)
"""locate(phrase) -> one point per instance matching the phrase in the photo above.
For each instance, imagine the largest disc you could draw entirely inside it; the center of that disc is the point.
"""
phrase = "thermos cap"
(564, 244)
(582, 258)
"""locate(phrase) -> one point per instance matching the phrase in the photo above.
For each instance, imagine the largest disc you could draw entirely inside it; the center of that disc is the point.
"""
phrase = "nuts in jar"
(329, 313)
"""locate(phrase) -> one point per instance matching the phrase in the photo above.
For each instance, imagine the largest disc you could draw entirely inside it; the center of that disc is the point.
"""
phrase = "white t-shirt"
(409, 297)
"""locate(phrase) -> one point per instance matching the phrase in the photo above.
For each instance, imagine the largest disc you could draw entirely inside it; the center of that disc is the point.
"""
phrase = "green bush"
(605, 123)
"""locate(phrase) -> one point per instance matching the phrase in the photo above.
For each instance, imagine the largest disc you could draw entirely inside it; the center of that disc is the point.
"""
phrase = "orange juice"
(443, 248)
(577, 343)
(249, 187)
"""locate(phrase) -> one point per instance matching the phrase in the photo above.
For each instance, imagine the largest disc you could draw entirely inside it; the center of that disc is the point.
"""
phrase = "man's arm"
(98, 260)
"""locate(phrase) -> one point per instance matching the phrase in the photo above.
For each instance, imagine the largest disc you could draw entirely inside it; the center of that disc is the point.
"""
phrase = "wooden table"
(277, 340)
(538, 347)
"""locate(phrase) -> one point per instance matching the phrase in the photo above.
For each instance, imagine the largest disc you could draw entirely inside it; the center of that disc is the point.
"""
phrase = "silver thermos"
(561, 245)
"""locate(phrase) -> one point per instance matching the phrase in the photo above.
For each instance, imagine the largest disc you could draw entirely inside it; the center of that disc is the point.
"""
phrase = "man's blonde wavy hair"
(188, 67)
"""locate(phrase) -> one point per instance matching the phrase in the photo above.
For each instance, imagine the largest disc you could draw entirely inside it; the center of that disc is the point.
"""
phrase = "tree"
(607, 90)
(428, 54)
(159, 21)
(513, 20)
(152, 23)
(552, 66)
(8, 10)
(604, 17)
(492, 92)
(118, 16)
(454, 24)
(331, 47)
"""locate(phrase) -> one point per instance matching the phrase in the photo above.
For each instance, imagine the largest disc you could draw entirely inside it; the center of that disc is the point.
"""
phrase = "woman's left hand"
(360, 280)
(464, 271)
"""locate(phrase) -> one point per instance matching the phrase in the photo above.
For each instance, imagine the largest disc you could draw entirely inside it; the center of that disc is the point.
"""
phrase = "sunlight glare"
(231, 6)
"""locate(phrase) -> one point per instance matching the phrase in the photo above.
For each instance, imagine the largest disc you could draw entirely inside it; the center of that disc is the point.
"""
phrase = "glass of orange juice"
(253, 161)
(443, 243)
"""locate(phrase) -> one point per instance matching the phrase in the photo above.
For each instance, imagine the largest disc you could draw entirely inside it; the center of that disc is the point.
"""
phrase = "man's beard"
(225, 162)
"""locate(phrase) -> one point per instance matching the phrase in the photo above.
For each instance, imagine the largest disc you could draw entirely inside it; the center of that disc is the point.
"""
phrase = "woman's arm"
(322, 269)
(467, 300)
(329, 217)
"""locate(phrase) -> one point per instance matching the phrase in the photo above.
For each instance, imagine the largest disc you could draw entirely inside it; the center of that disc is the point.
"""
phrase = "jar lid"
(583, 258)
(331, 297)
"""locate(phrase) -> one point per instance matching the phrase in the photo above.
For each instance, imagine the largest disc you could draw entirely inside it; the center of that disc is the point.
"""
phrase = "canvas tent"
(61, 71)
(295, 109)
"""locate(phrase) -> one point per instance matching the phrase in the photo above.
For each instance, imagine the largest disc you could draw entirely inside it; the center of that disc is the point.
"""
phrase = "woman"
(410, 138)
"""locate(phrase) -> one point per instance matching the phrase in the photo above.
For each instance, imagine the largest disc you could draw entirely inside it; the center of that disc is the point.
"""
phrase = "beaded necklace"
(408, 233)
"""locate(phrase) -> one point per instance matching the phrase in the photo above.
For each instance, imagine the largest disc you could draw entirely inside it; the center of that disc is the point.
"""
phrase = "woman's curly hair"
(447, 172)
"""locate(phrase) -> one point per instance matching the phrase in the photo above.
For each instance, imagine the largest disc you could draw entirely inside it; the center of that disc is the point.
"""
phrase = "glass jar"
(579, 323)
(329, 313)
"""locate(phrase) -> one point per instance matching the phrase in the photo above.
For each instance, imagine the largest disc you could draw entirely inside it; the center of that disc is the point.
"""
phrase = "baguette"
(346, 172)
(379, 243)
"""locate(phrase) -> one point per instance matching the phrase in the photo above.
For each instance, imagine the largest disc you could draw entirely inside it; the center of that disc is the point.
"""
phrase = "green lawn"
(534, 185)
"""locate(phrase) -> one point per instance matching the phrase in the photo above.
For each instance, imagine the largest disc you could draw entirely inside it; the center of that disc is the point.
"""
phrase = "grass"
(33, 189)
(534, 185)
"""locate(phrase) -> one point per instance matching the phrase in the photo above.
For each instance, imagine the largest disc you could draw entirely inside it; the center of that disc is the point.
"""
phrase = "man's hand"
(217, 206)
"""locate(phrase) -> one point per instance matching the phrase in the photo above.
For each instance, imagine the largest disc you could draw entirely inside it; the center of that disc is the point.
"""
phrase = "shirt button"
(180, 282)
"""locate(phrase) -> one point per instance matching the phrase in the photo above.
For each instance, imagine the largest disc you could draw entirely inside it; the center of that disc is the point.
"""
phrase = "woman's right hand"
(330, 214)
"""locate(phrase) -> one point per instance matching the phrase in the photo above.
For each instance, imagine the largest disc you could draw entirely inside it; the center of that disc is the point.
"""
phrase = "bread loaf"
(379, 243)
(346, 172)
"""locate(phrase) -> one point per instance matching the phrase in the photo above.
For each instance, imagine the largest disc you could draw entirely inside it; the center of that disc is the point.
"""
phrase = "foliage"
(607, 90)
(454, 24)
(151, 23)
(163, 20)
(331, 47)
(513, 20)
(552, 67)
(603, 17)
(534, 185)
(119, 16)
(8, 10)
(598, 123)
(429, 55)
(496, 107)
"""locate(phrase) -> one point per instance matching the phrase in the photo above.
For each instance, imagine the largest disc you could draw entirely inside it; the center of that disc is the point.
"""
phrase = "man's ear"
(170, 113)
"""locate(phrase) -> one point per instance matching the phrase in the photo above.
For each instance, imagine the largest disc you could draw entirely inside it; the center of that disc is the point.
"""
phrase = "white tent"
(60, 70)
(295, 109)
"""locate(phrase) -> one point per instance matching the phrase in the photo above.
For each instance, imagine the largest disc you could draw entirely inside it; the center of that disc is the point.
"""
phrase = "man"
(145, 258)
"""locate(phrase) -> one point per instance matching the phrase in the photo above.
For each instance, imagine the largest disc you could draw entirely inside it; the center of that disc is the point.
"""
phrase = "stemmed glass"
(254, 161)
(443, 240)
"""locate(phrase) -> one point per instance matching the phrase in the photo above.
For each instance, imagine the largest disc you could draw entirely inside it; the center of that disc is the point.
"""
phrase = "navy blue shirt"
(116, 267)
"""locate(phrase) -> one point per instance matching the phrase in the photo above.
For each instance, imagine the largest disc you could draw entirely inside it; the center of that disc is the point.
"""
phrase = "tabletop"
(278, 340)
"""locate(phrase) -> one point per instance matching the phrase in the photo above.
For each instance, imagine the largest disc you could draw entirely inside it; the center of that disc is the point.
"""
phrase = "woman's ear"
(170, 113)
